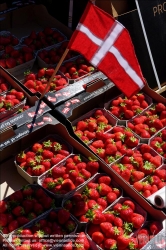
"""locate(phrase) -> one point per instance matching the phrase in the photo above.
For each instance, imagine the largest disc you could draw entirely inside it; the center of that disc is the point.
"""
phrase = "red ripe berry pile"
(75, 69)
(45, 233)
(4, 85)
(96, 196)
(112, 229)
(42, 156)
(137, 164)
(42, 39)
(148, 232)
(125, 108)
(79, 242)
(158, 143)
(13, 57)
(11, 99)
(6, 40)
(111, 146)
(88, 128)
(23, 206)
(72, 173)
(38, 82)
(152, 183)
(53, 56)
(147, 124)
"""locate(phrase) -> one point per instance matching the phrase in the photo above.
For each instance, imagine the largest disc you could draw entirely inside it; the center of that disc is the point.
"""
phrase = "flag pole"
(55, 71)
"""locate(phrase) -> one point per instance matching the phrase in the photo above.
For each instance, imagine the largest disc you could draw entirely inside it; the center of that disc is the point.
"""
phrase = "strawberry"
(95, 216)
(123, 241)
(97, 237)
(105, 179)
(91, 193)
(131, 142)
(110, 244)
(111, 197)
(126, 213)
(104, 189)
(137, 176)
(98, 144)
(137, 220)
(92, 166)
(10, 63)
(21, 157)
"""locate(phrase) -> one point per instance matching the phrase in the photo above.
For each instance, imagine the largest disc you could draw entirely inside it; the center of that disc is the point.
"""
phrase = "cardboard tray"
(24, 139)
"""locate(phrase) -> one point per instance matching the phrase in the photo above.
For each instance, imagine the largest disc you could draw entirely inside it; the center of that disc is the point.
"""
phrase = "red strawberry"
(104, 189)
(97, 237)
(123, 241)
(155, 227)
(92, 166)
(95, 216)
(105, 179)
(111, 197)
(110, 244)
(137, 220)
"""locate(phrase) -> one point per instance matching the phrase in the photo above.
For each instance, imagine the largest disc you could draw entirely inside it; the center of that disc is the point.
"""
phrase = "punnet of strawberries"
(9, 100)
(88, 128)
(152, 183)
(71, 173)
(126, 108)
(114, 227)
(41, 156)
(42, 39)
(114, 144)
(74, 69)
(38, 82)
(7, 39)
(22, 206)
(46, 232)
(4, 85)
(138, 163)
(150, 122)
(53, 55)
(158, 142)
(13, 57)
(98, 194)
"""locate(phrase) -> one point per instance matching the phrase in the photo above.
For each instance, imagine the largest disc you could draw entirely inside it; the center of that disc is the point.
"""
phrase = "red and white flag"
(107, 45)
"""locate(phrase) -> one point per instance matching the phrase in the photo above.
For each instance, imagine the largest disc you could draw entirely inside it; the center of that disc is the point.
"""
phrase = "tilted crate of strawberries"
(97, 194)
(37, 82)
(158, 142)
(152, 183)
(41, 156)
(17, 59)
(11, 102)
(76, 69)
(124, 108)
(68, 176)
(112, 145)
(88, 126)
(138, 163)
(49, 57)
(149, 122)
(42, 39)
(22, 206)
(7, 39)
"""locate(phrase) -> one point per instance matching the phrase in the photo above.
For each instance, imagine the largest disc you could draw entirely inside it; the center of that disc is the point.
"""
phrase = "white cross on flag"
(107, 45)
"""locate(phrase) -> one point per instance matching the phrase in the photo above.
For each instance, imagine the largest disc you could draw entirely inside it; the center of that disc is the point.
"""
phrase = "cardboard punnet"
(14, 121)
(55, 127)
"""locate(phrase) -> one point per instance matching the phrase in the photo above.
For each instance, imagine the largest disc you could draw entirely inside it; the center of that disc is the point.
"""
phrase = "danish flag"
(107, 45)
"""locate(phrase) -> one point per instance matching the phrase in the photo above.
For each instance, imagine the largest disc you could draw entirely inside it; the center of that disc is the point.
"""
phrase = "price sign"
(152, 16)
